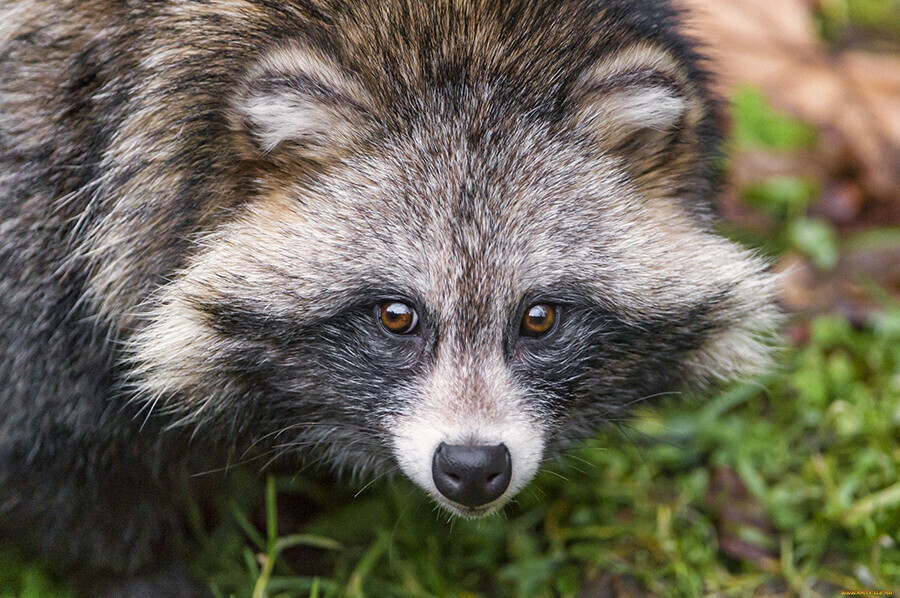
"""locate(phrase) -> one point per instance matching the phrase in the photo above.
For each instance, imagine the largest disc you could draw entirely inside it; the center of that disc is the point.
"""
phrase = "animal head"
(473, 236)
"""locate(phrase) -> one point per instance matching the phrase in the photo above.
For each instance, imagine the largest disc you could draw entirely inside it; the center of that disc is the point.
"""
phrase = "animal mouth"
(470, 512)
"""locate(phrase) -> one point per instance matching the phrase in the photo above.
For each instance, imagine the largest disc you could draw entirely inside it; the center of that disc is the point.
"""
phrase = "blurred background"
(785, 486)
(815, 162)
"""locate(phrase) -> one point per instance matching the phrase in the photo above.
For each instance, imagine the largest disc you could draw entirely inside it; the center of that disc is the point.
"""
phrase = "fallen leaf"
(853, 97)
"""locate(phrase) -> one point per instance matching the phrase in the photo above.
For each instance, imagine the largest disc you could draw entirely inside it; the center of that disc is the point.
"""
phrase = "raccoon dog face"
(457, 258)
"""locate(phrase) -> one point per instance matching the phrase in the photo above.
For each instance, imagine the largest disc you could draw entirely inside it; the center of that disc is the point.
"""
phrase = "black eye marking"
(539, 320)
(398, 317)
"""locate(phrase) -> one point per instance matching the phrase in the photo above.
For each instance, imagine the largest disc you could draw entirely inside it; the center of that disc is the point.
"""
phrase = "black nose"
(471, 475)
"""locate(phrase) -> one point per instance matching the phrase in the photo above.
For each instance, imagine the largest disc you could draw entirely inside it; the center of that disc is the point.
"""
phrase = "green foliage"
(784, 199)
(756, 126)
(882, 16)
(27, 580)
(816, 239)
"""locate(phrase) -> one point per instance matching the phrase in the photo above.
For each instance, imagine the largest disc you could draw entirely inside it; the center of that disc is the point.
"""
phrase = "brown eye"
(538, 320)
(398, 317)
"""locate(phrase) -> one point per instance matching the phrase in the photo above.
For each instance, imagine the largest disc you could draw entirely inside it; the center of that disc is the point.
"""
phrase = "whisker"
(380, 476)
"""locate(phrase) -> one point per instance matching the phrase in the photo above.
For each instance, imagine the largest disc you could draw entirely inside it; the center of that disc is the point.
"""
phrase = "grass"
(27, 580)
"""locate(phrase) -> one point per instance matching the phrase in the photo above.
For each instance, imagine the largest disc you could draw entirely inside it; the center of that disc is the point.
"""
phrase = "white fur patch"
(625, 91)
(321, 114)
(281, 117)
(651, 108)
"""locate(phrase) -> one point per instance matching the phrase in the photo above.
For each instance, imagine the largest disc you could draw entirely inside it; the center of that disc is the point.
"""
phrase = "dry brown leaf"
(853, 97)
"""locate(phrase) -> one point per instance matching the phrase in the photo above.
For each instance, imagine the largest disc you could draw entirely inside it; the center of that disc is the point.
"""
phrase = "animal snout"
(472, 475)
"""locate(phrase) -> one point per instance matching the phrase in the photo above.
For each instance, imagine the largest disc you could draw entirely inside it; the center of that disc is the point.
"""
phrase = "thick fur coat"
(202, 204)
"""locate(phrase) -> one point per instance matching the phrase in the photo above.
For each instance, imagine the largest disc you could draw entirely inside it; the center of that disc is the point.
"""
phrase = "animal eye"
(398, 317)
(538, 320)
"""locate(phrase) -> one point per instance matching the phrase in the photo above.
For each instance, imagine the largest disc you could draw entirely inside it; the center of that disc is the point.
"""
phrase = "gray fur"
(200, 204)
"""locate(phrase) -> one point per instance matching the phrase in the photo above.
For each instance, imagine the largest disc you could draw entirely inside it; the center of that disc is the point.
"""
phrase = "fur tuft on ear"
(639, 90)
(299, 100)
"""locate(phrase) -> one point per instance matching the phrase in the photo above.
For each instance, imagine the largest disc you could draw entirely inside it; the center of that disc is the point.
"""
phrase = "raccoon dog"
(448, 237)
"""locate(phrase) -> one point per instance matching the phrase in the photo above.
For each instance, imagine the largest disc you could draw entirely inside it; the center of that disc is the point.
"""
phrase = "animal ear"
(639, 99)
(298, 100)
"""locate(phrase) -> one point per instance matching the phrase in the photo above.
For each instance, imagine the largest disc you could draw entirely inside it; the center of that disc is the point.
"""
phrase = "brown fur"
(202, 201)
